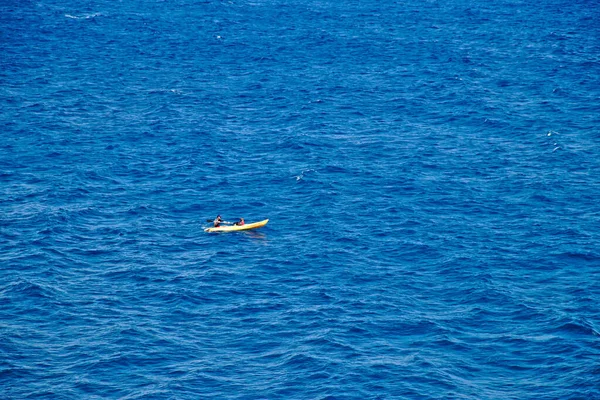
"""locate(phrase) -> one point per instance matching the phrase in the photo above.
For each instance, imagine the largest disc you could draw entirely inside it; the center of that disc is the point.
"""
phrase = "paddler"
(217, 221)
(240, 222)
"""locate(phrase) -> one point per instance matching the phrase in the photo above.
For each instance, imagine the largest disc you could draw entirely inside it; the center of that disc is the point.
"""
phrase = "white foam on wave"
(301, 176)
(174, 91)
(85, 16)
(553, 141)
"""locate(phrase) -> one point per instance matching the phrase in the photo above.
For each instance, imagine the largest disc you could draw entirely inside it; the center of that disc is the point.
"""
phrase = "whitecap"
(85, 16)
(301, 176)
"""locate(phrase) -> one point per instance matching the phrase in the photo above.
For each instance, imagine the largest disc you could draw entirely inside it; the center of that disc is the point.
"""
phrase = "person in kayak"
(217, 221)
(240, 222)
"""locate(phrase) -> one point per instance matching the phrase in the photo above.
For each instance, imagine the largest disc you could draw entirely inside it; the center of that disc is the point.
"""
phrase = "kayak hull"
(236, 228)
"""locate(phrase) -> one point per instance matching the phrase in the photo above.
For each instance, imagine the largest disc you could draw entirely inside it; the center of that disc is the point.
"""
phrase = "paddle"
(222, 222)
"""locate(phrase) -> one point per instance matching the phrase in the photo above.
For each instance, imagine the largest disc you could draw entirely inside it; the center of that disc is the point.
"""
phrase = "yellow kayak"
(235, 228)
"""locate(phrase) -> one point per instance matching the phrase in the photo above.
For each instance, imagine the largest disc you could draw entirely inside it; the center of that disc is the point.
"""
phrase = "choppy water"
(430, 171)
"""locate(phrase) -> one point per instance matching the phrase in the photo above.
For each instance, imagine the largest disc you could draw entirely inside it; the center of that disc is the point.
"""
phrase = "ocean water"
(430, 170)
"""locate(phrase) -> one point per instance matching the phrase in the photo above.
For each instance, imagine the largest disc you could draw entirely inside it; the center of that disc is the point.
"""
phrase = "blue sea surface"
(430, 170)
